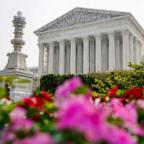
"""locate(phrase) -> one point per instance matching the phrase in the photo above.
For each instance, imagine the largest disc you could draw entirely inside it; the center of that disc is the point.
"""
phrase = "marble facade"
(88, 40)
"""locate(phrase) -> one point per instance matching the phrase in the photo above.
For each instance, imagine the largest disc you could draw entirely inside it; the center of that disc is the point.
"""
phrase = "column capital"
(73, 39)
(51, 44)
(98, 35)
(45, 44)
(112, 33)
(125, 32)
(62, 42)
(131, 34)
(40, 45)
(85, 38)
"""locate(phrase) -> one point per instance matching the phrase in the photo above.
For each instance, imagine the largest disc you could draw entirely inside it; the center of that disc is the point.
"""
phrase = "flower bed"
(75, 115)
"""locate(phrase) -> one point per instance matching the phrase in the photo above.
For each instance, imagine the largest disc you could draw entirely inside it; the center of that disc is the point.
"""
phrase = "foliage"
(137, 67)
(9, 81)
(110, 112)
(73, 116)
(99, 82)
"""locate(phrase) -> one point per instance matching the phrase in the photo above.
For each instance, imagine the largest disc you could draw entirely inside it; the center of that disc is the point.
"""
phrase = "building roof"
(78, 16)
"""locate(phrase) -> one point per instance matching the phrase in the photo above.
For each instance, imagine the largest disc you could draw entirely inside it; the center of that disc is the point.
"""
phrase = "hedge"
(99, 82)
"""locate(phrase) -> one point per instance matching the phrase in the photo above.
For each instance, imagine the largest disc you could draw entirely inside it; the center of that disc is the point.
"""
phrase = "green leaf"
(38, 91)
(81, 90)
(2, 92)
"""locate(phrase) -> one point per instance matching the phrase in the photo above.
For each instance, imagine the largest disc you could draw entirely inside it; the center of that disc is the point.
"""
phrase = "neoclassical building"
(89, 40)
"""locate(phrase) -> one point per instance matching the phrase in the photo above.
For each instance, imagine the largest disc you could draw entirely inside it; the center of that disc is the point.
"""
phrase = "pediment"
(78, 16)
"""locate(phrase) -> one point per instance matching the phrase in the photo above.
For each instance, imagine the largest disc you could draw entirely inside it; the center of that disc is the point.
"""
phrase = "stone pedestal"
(16, 60)
(21, 90)
(22, 86)
(16, 65)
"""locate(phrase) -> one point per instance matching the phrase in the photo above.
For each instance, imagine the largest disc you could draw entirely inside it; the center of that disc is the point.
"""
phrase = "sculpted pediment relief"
(80, 15)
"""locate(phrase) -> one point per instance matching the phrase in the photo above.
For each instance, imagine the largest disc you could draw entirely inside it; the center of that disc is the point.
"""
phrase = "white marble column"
(51, 57)
(118, 51)
(104, 53)
(139, 47)
(137, 51)
(67, 57)
(79, 56)
(131, 53)
(140, 52)
(125, 48)
(92, 57)
(98, 52)
(41, 58)
(47, 66)
(73, 56)
(61, 56)
(111, 55)
(85, 55)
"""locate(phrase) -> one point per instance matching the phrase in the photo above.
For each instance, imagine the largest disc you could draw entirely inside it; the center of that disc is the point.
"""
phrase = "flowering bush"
(75, 115)
(125, 96)
(100, 82)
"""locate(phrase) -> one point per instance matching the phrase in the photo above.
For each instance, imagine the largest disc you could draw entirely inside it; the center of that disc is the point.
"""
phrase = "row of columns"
(130, 51)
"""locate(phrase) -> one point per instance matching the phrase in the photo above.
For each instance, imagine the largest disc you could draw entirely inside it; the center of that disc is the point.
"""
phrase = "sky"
(41, 12)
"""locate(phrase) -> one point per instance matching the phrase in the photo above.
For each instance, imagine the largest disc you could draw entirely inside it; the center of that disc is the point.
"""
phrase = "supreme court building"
(89, 40)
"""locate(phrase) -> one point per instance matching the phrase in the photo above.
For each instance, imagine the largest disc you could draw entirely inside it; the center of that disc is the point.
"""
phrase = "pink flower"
(6, 135)
(18, 113)
(116, 135)
(64, 90)
(128, 114)
(140, 103)
(39, 138)
(19, 120)
(79, 114)
(23, 124)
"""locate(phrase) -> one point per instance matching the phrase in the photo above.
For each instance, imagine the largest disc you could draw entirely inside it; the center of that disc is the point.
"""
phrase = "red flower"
(34, 102)
(134, 93)
(112, 91)
(38, 101)
(46, 95)
(30, 102)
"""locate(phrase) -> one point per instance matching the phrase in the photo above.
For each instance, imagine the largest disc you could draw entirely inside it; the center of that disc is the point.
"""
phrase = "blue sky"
(40, 12)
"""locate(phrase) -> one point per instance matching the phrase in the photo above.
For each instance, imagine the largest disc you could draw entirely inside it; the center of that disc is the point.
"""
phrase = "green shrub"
(99, 82)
